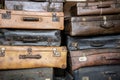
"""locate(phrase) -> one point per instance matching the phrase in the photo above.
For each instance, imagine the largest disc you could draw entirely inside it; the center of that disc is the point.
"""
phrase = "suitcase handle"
(103, 6)
(97, 43)
(29, 55)
(31, 19)
(29, 40)
(110, 73)
(107, 25)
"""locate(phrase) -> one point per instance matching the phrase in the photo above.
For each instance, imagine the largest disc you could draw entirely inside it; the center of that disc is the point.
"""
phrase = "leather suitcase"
(93, 25)
(19, 57)
(32, 37)
(111, 72)
(27, 74)
(96, 8)
(35, 6)
(31, 20)
(94, 57)
(99, 42)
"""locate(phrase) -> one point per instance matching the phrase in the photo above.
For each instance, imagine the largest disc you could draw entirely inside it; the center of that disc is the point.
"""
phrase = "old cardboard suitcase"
(27, 74)
(31, 20)
(32, 37)
(34, 6)
(96, 8)
(111, 72)
(94, 57)
(93, 25)
(18, 57)
(78, 43)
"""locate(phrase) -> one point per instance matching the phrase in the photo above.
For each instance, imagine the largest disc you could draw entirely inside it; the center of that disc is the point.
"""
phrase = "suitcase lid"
(95, 18)
(98, 4)
(33, 48)
(32, 13)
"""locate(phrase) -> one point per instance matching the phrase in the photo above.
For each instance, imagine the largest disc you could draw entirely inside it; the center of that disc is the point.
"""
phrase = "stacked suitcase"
(93, 40)
(30, 39)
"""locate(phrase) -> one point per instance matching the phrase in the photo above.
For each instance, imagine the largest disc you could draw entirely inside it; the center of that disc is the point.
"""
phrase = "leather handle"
(30, 19)
(97, 43)
(110, 73)
(113, 58)
(107, 25)
(29, 56)
(103, 6)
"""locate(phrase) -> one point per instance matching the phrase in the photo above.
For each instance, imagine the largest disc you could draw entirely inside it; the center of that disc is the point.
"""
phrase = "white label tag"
(47, 79)
(82, 58)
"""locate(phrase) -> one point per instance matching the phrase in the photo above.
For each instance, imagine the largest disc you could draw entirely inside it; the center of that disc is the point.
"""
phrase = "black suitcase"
(31, 37)
(27, 74)
(78, 43)
(110, 72)
(34, 6)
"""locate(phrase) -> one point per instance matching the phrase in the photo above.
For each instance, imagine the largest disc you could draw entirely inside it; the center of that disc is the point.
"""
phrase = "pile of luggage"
(30, 40)
(94, 41)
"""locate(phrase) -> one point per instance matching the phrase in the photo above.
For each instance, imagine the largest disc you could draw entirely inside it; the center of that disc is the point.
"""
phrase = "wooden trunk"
(31, 20)
(18, 57)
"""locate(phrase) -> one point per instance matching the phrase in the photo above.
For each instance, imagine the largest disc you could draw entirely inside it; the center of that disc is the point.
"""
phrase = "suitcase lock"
(2, 52)
(55, 18)
(56, 53)
(6, 15)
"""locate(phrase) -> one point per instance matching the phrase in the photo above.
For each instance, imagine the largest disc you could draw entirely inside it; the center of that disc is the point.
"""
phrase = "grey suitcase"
(27, 74)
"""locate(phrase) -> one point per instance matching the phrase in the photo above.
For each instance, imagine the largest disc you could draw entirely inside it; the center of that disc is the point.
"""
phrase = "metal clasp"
(2, 52)
(56, 53)
(55, 18)
(6, 15)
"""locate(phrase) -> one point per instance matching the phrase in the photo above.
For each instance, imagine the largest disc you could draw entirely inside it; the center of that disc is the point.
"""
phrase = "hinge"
(56, 53)
(6, 15)
(55, 18)
(2, 52)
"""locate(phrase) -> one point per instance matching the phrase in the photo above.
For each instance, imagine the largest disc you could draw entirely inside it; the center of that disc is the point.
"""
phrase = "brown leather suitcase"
(96, 8)
(34, 6)
(93, 25)
(94, 57)
(31, 20)
(18, 57)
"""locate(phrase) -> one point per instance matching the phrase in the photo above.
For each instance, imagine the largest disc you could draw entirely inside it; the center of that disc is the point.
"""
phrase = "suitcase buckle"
(18, 7)
(2, 52)
(55, 18)
(6, 15)
(56, 53)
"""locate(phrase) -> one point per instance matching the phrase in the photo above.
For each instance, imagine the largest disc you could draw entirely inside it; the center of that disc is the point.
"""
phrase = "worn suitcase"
(96, 8)
(18, 57)
(94, 57)
(32, 37)
(93, 25)
(31, 20)
(49, 0)
(78, 43)
(27, 74)
(35, 6)
(111, 72)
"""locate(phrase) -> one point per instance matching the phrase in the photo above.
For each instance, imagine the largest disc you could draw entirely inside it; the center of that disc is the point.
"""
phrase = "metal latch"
(56, 53)
(29, 55)
(2, 52)
(55, 18)
(6, 15)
